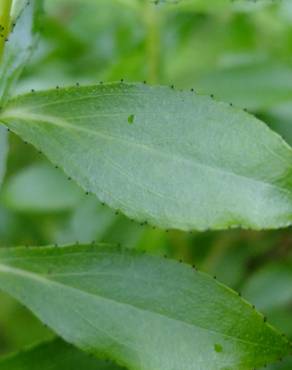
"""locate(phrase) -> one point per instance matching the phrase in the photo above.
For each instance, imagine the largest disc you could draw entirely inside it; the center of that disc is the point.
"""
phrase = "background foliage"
(240, 52)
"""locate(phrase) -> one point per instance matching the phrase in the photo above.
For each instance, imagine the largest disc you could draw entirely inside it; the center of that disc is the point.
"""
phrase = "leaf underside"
(170, 158)
(144, 312)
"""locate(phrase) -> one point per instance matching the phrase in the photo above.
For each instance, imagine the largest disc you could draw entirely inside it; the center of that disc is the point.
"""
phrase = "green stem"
(5, 8)
(152, 22)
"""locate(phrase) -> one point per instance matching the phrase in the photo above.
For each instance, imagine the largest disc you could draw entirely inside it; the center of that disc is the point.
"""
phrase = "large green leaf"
(54, 355)
(19, 46)
(40, 188)
(144, 312)
(169, 158)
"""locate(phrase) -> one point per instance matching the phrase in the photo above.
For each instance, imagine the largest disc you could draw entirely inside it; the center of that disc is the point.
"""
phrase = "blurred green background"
(239, 51)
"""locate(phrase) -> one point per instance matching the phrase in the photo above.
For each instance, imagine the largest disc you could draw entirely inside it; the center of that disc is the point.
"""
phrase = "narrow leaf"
(144, 312)
(183, 161)
(3, 152)
(54, 355)
(19, 44)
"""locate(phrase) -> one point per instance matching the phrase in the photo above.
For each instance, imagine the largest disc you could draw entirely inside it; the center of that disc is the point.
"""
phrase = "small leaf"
(188, 162)
(19, 45)
(40, 188)
(144, 312)
(54, 355)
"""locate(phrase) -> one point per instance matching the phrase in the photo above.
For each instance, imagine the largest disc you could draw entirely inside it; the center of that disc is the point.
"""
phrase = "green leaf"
(256, 86)
(93, 221)
(271, 286)
(19, 46)
(89, 221)
(54, 355)
(3, 152)
(270, 290)
(279, 119)
(144, 312)
(40, 188)
(186, 161)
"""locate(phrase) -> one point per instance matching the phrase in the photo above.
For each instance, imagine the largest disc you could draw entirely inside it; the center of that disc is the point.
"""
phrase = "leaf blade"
(185, 162)
(127, 307)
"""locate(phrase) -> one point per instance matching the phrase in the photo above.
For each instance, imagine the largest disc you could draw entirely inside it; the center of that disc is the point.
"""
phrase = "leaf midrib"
(35, 117)
(42, 280)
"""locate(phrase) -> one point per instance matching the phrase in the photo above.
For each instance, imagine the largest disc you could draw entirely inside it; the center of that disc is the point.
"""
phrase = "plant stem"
(5, 8)
(152, 22)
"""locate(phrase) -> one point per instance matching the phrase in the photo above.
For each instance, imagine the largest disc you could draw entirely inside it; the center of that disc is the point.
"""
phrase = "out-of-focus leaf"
(280, 317)
(127, 306)
(19, 46)
(270, 290)
(282, 365)
(254, 86)
(40, 188)
(227, 258)
(271, 286)
(92, 220)
(18, 326)
(279, 119)
(54, 355)
(3, 151)
(89, 221)
(217, 5)
(168, 158)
